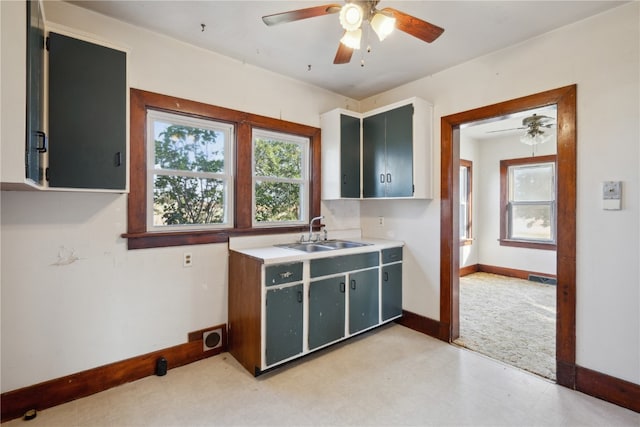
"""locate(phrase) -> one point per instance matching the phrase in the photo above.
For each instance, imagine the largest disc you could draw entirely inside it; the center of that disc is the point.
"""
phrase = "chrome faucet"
(311, 225)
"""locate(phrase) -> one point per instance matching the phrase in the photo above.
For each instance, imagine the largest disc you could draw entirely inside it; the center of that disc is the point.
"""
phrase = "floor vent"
(212, 339)
(542, 279)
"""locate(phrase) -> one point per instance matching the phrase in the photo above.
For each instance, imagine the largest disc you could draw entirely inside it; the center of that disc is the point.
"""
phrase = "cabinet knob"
(386, 276)
(353, 284)
(342, 287)
(381, 178)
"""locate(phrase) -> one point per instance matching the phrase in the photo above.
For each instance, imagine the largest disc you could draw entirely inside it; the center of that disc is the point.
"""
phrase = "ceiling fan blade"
(296, 15)
(504, 130)
(343, 55)
(414, 26)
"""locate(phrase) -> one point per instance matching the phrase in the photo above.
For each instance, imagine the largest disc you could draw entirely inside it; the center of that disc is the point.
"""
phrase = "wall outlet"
(187, 260)
(380, 221)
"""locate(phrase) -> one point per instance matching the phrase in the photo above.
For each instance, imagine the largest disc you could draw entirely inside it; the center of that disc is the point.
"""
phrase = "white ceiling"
(304, 50)
(500, 127)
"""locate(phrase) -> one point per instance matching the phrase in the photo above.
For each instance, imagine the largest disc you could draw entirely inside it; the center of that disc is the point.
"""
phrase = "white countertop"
(271, 254)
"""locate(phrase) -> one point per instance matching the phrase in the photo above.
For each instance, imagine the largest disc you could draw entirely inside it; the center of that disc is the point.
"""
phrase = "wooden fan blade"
(296, 15)
(414, 26)
(343, 55)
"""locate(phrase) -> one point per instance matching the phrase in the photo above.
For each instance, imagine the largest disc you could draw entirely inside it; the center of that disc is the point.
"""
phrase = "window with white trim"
(280, 178)
(466, 189)
(189, 170)
(529, 206)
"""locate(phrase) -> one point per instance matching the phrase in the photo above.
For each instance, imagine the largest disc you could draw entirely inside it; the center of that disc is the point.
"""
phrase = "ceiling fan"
(535, 126)
(352, 14)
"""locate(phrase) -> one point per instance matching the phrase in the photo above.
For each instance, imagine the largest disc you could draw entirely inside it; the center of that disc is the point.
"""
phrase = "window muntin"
(530, 209)
(465, 200)
(280, 178)
(189, 169)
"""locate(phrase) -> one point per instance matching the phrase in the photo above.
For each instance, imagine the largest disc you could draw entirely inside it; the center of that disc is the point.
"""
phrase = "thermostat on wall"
(611, 195)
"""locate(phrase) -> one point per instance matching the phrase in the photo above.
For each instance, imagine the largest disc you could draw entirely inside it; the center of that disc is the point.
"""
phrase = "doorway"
(507, 291)
(565, 100)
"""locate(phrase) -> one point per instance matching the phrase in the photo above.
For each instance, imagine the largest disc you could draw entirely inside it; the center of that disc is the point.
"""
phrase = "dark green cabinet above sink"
(393, 158)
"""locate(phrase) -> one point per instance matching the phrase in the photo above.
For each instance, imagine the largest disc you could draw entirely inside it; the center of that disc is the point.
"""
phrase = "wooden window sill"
(528, 244)
(144, 240)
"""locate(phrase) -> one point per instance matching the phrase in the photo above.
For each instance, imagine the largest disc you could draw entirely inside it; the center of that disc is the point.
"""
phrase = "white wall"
(469, 151)
(487, 207)
(61, 316)
(601, 55)
(111, 303)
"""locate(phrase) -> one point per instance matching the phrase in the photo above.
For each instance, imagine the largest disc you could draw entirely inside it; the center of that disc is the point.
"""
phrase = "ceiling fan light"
(534, 139)
(352, 38)
(351, 16)
(383, 25)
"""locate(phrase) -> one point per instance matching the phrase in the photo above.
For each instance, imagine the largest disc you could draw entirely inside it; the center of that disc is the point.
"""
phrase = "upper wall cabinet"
(76, 141)
(340, 154)
(387, 147)
(87, 115)
(394, 155)
(22, 50)
(36, 142)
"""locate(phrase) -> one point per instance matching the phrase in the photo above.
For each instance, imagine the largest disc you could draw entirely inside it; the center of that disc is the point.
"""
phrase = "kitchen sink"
(342, 244)
(306, 247)
(323, 245)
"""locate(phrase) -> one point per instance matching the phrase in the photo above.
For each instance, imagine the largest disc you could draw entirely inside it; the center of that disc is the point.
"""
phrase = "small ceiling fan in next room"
(352, 15)
(535, 126)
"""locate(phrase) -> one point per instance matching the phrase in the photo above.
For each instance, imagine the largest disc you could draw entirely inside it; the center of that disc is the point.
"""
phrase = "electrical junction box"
(612, 195)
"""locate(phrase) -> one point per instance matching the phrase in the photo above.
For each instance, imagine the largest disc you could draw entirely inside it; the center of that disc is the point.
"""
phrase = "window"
(194, 180)
(280, 178)
(188, 172)
(528, 189)
(465, 201)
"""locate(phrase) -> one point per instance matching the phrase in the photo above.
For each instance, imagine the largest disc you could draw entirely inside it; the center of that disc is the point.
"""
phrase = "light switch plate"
(611, 195)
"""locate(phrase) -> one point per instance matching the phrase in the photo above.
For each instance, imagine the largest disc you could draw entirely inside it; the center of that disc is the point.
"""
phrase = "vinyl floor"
(389, 376)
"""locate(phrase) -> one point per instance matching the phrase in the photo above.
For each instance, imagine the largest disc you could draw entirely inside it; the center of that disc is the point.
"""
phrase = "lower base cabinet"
(391, 291)
(279, 312)
(283, 323)
(326, 311)
(363, 300)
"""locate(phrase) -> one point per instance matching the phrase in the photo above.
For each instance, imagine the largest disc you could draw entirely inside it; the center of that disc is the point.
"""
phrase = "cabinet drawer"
(391, 255)
(283, 273)
(333, 265)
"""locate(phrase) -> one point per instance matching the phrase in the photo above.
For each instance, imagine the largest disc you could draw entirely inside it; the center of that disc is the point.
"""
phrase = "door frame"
(565, 100)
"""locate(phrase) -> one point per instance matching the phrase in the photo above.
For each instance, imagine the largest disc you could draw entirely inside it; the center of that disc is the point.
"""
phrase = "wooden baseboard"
(71, 387)
(469, 269)
(420, 323)
(620, 392)
(503, 271)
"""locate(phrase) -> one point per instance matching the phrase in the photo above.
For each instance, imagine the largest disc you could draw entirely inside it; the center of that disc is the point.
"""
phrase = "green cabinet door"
(87, 115)
(284, 323)
(399, 152)
(387, 145)
(363, 300)
(349, 156)
(326, 311)
(374, 155)
(36, 138)
(391, 291)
